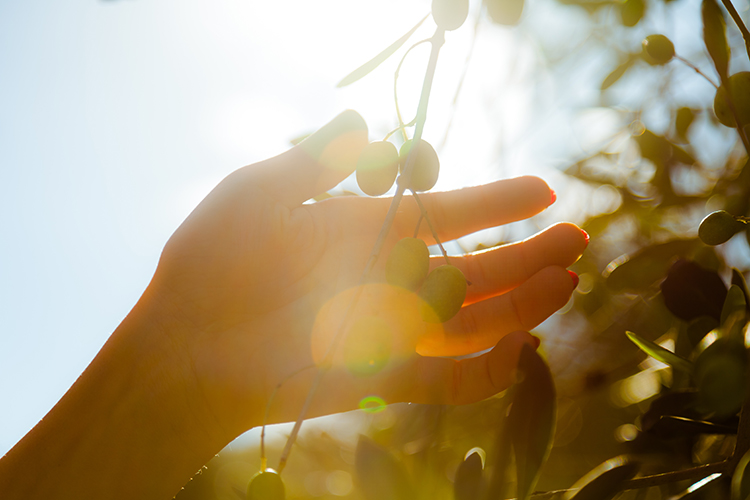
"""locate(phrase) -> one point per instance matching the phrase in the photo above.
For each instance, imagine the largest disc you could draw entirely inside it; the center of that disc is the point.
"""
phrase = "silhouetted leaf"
(739, 279)
(505, 12)
(677, 403)
(468, 484)
(376, 61)
(741, 479)
(631, 11)
(618, 72)
(531, 418)
(699, 328)
(379, 474)
(658, 352)
(683, 119)
(715, 37)
(605, 481)
(720, 376)
(734, 303)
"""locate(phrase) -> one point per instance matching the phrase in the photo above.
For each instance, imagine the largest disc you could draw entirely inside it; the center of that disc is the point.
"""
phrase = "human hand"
(244, 278)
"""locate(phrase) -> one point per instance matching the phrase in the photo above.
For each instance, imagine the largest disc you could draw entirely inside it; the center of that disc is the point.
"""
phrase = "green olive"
(631, 11)
(659, 48)
(717, 227)
(443, 293)
(408, 264)
(266, 485)
(426, 167)
(739, 85)
(505, 12)
(450, 14)
(377, 167)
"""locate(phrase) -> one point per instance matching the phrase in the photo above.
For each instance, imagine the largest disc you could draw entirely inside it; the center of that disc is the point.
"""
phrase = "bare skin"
(229, 312)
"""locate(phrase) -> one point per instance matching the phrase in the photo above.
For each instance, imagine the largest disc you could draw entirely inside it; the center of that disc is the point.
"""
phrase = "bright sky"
(119, 116)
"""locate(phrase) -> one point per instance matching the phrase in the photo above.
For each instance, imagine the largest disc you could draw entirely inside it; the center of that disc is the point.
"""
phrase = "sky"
(119, 116)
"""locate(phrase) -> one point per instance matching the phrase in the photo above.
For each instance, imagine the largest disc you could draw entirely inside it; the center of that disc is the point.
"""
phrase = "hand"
(247, 273)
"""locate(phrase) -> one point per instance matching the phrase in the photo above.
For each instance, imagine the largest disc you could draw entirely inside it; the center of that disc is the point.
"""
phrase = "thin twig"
(740, 24)
(426, 217)
(696, 69)
(401, 125)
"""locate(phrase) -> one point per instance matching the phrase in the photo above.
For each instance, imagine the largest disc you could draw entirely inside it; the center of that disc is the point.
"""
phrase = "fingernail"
(585, 236)
(553, 195)
(574, 277)
(537, 341)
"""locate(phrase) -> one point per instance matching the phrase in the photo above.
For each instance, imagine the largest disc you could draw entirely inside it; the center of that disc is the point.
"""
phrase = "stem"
(740, 24)
(401, 125)
(429, 224)
(437, 41)
(696, 69)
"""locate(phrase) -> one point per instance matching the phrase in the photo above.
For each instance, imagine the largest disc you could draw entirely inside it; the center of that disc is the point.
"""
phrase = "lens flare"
(372, 404)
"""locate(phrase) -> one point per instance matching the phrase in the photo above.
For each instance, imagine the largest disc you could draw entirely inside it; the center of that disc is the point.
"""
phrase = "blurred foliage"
(665, 397)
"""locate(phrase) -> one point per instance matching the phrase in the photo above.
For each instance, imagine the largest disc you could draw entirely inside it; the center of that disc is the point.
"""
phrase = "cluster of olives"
(266, 485)
(380, 162)
(717, 227)
(443, 290)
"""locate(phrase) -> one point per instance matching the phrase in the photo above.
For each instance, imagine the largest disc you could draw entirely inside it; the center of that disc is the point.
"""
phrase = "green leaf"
(699, 328)
(658, 352)
(721, 377)
(734, 303)
(715, 37)
(739, 279)
(531, 419)
(618, 72)
(741, 479)
(604, 481)
(379, 474)
(376, 61)
(468, 484)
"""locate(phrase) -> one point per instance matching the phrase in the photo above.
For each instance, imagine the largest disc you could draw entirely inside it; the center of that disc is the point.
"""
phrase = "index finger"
(464, 211)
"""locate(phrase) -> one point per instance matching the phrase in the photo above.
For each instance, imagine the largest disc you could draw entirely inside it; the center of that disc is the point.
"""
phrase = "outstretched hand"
(247, 273)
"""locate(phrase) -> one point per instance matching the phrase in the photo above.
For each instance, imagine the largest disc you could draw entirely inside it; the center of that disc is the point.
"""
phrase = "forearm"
(126, 429)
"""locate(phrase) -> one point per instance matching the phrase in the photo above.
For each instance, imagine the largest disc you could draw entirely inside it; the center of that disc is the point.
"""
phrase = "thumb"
(318, 163)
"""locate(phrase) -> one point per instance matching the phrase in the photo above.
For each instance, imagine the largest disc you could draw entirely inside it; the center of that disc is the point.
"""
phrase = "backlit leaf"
(658, 352)
(605, 481)
(618, 72)
(468, 484)
(531, 419)
(376, 61)
(741, 479)
(734, 303)
(715, 37)
(739, 279)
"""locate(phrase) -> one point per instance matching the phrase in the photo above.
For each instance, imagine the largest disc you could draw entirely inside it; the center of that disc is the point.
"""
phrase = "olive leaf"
(715, 37)
(741, 479)
(720, 376)
(739, 279)
(376, 61)
(531, 419)
(735, 302)
(379, 474)
(618, 72)
(468, 484)
(605, 481)
(658, 352)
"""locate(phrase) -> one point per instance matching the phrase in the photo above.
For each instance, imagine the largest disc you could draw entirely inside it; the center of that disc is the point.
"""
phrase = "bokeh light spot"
(372, 404)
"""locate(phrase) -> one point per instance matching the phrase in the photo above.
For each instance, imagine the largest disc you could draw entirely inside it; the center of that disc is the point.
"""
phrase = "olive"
(377, 167)
(505, 12)
(450, 14)
(443, 293)
(739, 85)
(717, 227)
(266, 485)
(659, 48)
(426, 167)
